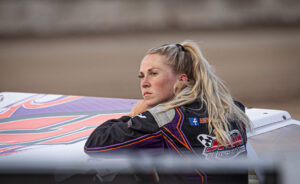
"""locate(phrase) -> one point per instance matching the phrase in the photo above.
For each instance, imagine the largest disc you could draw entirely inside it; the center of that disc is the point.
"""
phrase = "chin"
(151, 103)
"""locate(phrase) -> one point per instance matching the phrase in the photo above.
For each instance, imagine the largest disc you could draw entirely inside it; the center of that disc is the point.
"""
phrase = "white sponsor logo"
(141, 116)
(214, 150)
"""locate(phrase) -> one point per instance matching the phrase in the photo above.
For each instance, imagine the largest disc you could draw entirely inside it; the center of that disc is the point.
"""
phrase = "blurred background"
(94, 47)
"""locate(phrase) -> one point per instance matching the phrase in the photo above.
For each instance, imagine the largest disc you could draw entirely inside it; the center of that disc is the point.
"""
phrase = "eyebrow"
(149, 70)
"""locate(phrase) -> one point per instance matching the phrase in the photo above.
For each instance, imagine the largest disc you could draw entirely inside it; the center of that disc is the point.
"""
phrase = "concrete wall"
(44, 17)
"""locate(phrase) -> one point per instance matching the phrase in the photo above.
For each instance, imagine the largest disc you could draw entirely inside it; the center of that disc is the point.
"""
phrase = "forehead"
(152, 61)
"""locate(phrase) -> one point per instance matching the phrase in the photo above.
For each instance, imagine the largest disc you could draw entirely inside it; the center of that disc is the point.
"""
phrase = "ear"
(183, 77)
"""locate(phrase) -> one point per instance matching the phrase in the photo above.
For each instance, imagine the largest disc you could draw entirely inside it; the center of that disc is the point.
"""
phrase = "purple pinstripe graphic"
(182, 131)
(172, 126)
(202, 172)
(154, 143)
(205, 177)
(171, 141)
(119, 144)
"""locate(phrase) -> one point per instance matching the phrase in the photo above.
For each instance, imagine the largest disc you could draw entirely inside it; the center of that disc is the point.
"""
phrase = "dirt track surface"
(260, 66)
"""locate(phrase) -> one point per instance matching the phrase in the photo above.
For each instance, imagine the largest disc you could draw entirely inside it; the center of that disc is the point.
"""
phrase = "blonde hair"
(203, 84)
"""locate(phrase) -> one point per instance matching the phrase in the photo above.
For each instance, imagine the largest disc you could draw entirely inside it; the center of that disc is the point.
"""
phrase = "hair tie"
(180, 46)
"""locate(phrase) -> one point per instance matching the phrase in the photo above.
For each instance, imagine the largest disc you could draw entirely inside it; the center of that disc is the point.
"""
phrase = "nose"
(145, 83)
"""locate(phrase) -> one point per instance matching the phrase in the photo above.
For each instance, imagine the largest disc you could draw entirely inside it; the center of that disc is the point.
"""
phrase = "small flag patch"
(194, 121)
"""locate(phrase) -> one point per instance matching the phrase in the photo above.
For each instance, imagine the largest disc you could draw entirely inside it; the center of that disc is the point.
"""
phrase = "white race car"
(45, 134)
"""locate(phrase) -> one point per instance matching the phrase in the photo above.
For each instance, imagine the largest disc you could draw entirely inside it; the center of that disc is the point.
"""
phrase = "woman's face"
(156, 79)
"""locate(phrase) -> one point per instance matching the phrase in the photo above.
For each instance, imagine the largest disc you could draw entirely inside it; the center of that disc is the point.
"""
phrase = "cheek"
(165, 87)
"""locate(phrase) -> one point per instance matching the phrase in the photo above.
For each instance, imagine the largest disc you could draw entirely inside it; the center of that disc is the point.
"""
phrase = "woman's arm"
(126, 132)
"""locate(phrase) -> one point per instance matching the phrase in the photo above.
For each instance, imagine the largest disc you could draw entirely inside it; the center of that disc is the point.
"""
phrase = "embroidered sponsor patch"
(203, 120)
(213, 150)
(194, 121)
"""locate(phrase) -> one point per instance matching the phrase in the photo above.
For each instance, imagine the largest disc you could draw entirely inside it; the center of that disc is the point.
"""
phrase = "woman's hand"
(138, 108)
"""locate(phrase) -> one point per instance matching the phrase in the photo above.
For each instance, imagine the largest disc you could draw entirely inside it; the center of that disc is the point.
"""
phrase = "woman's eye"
(153, 73)
(140, 76)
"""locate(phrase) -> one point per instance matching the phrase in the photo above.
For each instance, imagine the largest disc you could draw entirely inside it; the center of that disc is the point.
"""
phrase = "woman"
(186, 108)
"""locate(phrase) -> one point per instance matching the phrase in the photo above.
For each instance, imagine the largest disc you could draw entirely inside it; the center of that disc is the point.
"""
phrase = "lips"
(147, 94)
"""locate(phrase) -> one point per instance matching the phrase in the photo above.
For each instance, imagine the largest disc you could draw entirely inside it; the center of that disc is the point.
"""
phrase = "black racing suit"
(182, 129)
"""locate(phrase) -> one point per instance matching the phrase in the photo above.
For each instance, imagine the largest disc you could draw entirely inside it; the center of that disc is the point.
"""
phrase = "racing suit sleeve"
(140, 131)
